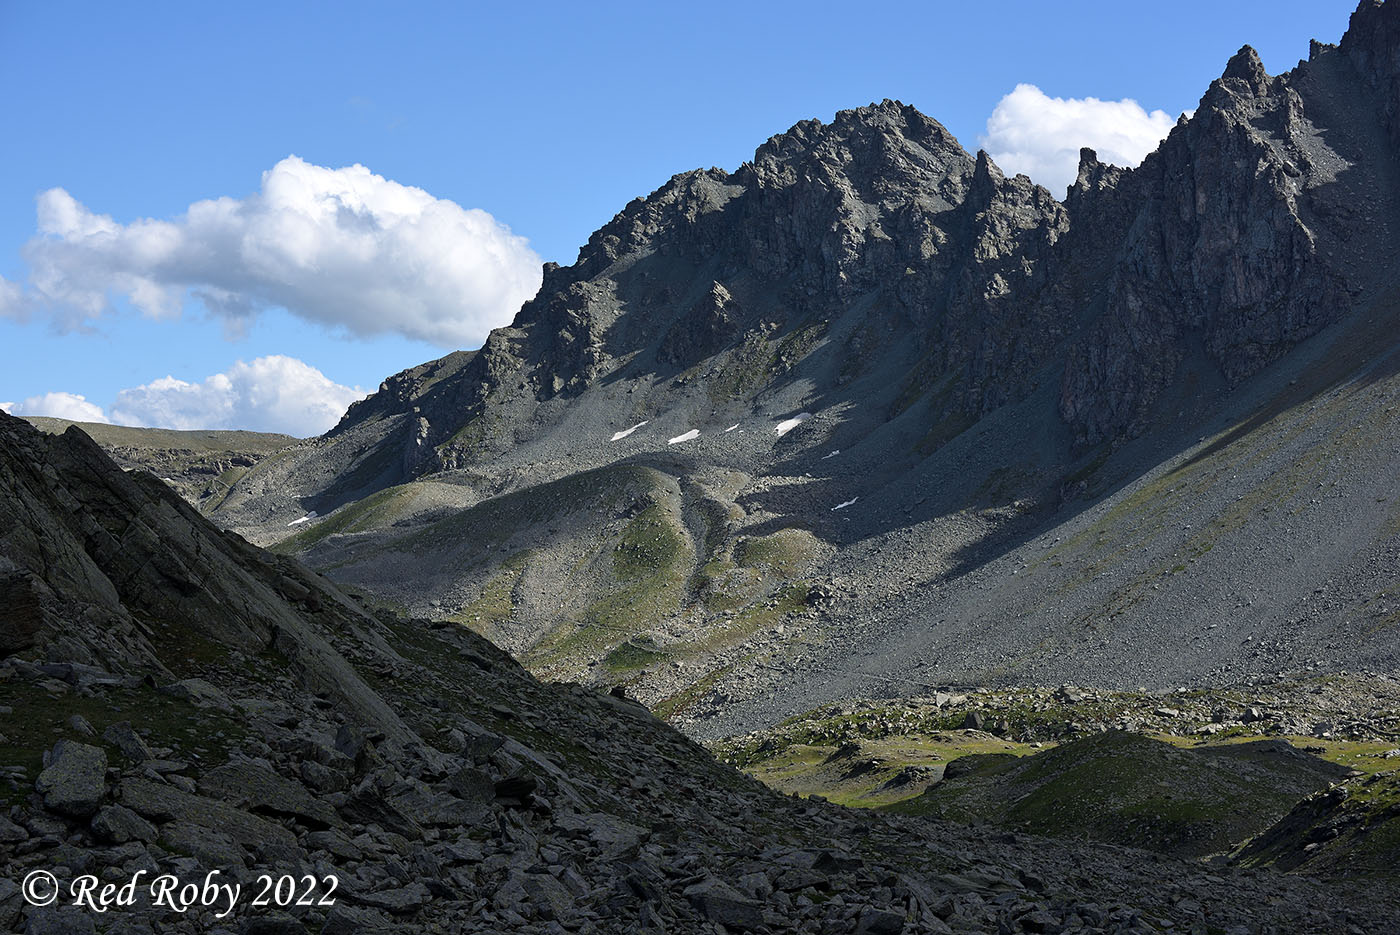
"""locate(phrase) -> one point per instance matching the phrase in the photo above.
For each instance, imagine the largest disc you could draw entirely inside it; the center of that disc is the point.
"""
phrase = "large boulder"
(75, 780)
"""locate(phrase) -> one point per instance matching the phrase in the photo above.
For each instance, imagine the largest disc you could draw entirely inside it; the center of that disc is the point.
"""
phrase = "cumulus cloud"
(341, 247)
(1030, 132)
(269, 394)
(59, 406)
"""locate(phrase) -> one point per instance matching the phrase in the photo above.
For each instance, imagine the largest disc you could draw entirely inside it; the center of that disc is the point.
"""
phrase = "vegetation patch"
(40, 717)
(787, 552)
(496, 604)
(379, 509)
(1130, 789)
(633, 654)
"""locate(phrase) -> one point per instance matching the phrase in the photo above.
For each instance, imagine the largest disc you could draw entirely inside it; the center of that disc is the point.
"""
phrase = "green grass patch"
(633, 655)
(379, 509)
(40, 718)
(786, 552)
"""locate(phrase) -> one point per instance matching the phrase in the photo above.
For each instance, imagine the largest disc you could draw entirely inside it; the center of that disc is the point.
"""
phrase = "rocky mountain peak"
(1245, 65)
(1372, 44)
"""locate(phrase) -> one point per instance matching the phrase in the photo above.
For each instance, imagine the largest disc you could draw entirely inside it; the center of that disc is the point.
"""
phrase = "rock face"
(1239, 233)
(866, 391)
(112, 564)
(458, 793)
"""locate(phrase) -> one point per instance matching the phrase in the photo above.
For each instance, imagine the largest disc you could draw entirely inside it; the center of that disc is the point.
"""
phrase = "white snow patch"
(842, 506)
(832, 455)
(305, 519)
(619, 436)
(693, 433)
(732, 427)
(787, 425)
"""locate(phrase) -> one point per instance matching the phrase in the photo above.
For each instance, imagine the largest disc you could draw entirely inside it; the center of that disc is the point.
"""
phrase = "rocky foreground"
(178, 702)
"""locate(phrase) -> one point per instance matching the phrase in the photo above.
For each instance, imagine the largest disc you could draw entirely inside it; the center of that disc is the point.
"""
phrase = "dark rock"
(400, 901)
(872, 921)
(519, 787)
(212, 848)
(721, 903)
(59, 920)
(165, 803)
(272, 925)
(348, 920)
(257, 787)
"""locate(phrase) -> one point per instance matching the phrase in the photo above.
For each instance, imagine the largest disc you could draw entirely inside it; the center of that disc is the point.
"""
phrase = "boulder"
(122, 736)
(200, 693)
(254, 784)
(75, 780)
(119, 825)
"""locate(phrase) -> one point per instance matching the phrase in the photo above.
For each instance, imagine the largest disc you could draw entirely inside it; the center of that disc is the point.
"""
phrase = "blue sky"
(549, 117)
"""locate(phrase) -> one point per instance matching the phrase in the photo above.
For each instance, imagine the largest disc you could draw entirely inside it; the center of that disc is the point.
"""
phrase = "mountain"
(176, 701)
(865, 416)
(200, 465)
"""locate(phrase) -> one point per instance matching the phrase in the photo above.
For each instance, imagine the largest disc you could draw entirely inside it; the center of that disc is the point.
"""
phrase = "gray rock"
(256, 786)
(550, 899)
(200, 693)
(349, 920)
(11, 833)
(719, 902)
(872, 921)
(400, 901)
(164, 803)
(80, 725)
(122, 736)
(118, 824)
(322, 778)
(75, 780)
(213, 849)
(56, 920)
(279, 924)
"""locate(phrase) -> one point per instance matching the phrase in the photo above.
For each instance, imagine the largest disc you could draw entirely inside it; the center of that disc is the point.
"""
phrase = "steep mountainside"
(866, 415)
(173, 700)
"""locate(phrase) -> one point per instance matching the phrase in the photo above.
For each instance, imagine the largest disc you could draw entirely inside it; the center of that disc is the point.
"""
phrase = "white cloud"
(12, 301)
(341, 247)
(6, 407)
(59, 406)
(269, 394)
(1030, 132)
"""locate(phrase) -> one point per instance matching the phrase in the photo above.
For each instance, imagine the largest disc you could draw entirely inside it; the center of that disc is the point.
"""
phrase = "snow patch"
(305, 519)
(619, 436)
(832, 455)
(693, 433)
(787, 425)
(732, 427)
(842, 506)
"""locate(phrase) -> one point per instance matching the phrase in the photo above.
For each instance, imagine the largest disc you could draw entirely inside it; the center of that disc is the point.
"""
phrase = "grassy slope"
(1054, 769)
